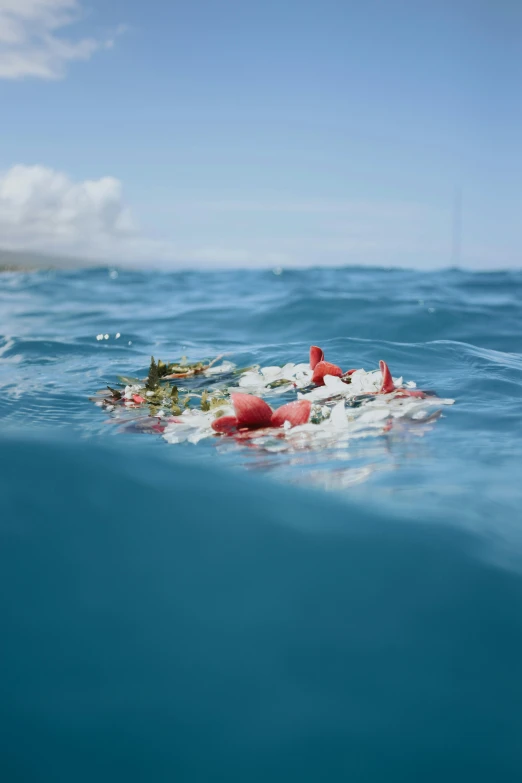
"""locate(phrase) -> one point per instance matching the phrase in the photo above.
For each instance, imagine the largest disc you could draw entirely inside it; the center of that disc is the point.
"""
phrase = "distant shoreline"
(24, 261)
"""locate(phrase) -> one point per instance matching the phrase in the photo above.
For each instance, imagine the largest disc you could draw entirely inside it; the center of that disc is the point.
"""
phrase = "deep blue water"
(185, 612)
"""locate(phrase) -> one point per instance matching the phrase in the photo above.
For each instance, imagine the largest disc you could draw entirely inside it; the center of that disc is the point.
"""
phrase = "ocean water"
(217, 612)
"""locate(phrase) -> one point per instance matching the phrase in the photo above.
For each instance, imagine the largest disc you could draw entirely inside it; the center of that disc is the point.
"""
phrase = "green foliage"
(162, 368)
(158, 393)
(205, 404)
(216, 401)
(153, 376)
(180, 368)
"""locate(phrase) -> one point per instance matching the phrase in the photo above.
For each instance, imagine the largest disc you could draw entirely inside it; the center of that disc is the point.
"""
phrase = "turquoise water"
(199, 613)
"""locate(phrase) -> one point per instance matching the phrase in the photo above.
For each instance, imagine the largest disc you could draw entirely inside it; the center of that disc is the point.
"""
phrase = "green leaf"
(115, 393)
(153, 376)
(205, 404)
(162, 368)
(215, 402)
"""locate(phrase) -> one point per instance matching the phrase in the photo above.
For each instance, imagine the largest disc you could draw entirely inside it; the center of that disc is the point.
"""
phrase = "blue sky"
(254, 133)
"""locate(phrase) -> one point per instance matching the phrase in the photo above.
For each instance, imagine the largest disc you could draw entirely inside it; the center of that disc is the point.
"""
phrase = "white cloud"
(31, 43)
(42, 209)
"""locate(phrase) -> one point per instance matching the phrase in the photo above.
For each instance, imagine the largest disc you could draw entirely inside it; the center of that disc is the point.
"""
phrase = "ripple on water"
(455, 332)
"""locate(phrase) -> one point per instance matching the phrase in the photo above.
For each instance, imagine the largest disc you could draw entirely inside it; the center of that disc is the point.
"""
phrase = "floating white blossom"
(260, 380)
(335, 423)
(337, 408)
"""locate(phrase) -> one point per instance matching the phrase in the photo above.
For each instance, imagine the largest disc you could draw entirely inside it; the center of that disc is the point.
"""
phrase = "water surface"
(204, 613)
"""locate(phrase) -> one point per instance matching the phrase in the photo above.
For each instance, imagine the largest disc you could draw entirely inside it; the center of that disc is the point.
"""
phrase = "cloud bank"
(45, 211)
(31, 39)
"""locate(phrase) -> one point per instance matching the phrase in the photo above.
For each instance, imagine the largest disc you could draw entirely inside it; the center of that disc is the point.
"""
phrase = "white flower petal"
(271, 374)
(338, 418)
(218, 369)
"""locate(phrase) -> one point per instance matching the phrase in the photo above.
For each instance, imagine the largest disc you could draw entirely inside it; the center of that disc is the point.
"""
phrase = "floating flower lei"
(190, 402)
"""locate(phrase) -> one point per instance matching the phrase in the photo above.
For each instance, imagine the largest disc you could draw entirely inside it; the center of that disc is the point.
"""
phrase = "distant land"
(27, 261)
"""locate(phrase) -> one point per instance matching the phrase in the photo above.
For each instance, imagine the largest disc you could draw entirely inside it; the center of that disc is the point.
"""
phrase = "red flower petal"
(226, 424)
(296, 413)
(325, 368)
(251, 435)
(316, 356)
(387, 380)
(251, 411)
(411, 393)
(138, 399)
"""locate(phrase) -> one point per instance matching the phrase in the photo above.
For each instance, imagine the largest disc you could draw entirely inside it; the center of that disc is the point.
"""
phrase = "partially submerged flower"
(316, 356)
(294, 413)
(320, 368)
(253, 413)
(388, 385)
(325, 368)
(387, 380)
